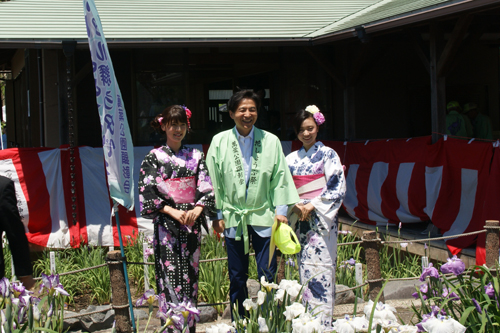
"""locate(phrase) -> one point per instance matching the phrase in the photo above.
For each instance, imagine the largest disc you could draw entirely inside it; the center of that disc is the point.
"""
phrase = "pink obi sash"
(181, 190)
(309, 186)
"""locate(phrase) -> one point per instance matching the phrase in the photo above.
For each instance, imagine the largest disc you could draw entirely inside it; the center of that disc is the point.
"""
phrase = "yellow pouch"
(285, 239)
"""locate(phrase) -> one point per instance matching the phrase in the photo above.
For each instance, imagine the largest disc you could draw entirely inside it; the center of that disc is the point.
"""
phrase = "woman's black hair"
(173, 113)
(299, 119)
(236, 99)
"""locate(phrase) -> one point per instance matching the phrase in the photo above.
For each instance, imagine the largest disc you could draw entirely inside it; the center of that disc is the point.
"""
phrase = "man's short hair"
(236, 99)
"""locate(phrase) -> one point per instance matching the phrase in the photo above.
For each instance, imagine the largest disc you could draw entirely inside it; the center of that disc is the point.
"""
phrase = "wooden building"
(377, 69)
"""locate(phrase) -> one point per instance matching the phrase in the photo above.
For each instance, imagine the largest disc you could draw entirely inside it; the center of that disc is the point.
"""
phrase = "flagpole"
(115, 207)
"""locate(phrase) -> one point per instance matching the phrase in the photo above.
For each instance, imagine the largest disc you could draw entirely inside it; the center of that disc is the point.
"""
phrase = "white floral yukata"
(180, 181)
(318, 236)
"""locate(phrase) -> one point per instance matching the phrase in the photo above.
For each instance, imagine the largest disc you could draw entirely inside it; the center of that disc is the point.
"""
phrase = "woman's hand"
(178, 215)
(193, 214)
(297, 209)
(306, 211)
(303, 211)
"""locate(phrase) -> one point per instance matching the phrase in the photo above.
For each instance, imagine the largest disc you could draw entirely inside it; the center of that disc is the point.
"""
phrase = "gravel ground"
(403, 307)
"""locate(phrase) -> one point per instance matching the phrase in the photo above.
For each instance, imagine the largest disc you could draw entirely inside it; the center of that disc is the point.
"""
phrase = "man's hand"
(219, 225)
(193, 214)
(281, 219)
(178, 215)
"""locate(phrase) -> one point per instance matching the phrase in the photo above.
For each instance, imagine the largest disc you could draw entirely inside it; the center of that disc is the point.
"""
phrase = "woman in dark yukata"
(175, 191)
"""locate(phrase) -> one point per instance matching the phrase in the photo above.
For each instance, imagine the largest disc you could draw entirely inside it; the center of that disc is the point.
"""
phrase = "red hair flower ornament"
(188, 114)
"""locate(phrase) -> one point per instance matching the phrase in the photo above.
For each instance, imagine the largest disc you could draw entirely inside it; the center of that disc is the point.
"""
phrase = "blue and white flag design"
(116, 139)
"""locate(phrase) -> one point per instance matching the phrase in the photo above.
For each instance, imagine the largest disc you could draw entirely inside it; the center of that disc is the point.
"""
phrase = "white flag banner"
(116, 139)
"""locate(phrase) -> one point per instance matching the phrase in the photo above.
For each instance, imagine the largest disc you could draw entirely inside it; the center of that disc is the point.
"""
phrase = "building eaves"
(436, 11)
(160, 20)
(183, 23)
(381, 10)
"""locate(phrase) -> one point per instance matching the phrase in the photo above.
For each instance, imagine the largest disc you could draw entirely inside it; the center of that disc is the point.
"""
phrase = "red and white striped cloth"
(406, 180)
(411, 180)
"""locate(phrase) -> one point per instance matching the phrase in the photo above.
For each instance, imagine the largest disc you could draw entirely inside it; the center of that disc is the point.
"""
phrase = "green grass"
(213, 276)
(213, 285)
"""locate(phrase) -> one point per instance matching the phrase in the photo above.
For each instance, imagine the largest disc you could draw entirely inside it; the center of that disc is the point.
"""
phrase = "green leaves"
(213, 285)
(476, 310)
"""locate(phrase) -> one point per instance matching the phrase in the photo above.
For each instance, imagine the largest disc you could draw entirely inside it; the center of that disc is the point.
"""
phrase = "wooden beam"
(368, 56)
(322, 60)
(451, 48)
(421, 49)
(82, 73)
(438, 87)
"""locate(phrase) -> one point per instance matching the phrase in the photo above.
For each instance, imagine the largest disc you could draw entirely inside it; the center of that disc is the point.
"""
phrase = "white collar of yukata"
(168, 149)
(313, 149)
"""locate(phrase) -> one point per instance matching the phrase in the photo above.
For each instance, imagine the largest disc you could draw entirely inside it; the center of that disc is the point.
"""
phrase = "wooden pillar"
(438, 87)
(11, 115)
(440, 66)
(119, 291)
(69, 52)
(349, 113)
(492, 243)
(371, 244)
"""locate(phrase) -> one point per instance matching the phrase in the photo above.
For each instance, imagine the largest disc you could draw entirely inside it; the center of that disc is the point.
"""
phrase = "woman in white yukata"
(319, 177)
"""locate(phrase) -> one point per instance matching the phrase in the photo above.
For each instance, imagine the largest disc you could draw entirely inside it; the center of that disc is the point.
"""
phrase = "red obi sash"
(309, 186)
(181, 190)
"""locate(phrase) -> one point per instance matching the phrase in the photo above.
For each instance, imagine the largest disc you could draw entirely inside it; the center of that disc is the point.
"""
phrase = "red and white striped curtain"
(454, 183)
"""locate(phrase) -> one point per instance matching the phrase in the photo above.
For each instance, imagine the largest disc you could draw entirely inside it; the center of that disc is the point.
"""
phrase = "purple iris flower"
(453, 265)
(435, 311)
(168, 315)
(36, 311)
(162, 304)
(447, 294)
(174, 319)
(187, 309)
(5, 287)
(52, 284)
(489, 290)
(51, 310)
(425, 317)
(148, 297)
(424, 288)
(478, 307)
(429, 271)
(351, 262)
(18, 289)
(306, 294)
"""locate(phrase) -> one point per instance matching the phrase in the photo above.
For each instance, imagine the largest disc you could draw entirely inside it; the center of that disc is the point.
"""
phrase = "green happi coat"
(270, 183)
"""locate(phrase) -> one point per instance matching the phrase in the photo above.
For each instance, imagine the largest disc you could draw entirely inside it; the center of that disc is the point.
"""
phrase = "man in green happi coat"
(253, 187)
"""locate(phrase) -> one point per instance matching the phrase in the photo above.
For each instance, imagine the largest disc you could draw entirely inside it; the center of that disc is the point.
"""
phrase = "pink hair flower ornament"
(317, 115)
